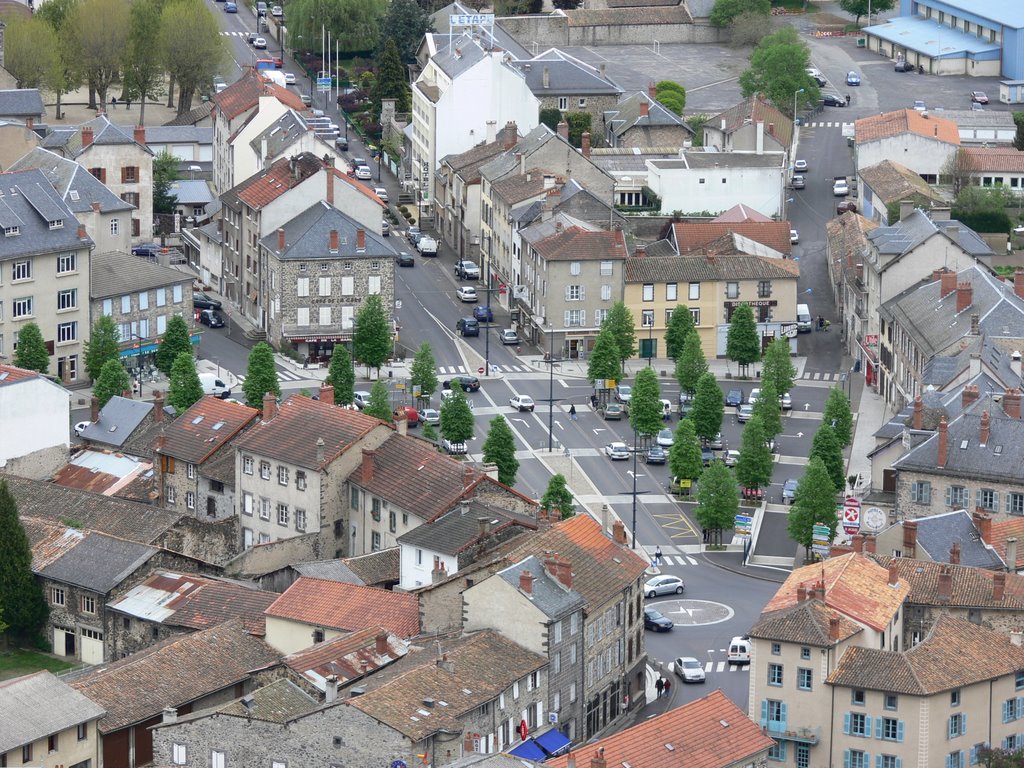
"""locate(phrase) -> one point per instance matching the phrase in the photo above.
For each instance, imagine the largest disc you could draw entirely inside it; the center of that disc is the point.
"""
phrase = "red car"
(846, 205)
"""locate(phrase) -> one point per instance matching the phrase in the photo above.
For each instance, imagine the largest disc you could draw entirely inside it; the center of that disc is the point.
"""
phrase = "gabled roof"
(195, 602)
(347, 607)
(955, 654)
(740, 213)
(893, 182)
(1003, 530)
(330, 570)
(936, 535)
(193, 116)
(847, 243)
(555, 72)
(278, 136)
(995, 159)
(377, 568)
(855, 585)
(692, 236)
(169, 133)
(264, 187)
(711, 732)
(308, 236)
(279, 702)
(104, 133)
(753, 110)
(348, 657)
(629, 114)
(908, 233)
(682, 269)
(972, 587)
(474, 673)
(461, 528)
(38, 705)
(206, 427)
(79, 188)
(10, 374)
(807, 622)
(890, 124)
(119, 418)
(468, 163)
(22, 103)
(293, 432)
(550, 596)
(601, 568)
(579, 244)
(116, 273)
(38, 218)
(97, 562)
(173, 673)
(245, 92)
(507, 161)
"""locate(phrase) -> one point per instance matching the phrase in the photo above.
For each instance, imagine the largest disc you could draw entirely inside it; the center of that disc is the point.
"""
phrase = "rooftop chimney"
(140, 135)
(906, 208)
(327, 394)
(170, 715)
(320, 451)
(334, 241)
(1011, 402)
(858, 543)
(1017, 638)
(918, 408)
(96, 206)
(801, 593)
(968, 395)
(598, 761)
(975, 329)
(381, 646)
(511, 135)
(619, 532)
(954, 553)
(985, 429)
(833, 628)
(483, 526)
(81, 232)
(526, 582)
(964, 296)
(909, 537)
(603, 69)
(1018, 282)
(547, 77)
(936, 274)
(998, 586)
(560, 568)
(586, 144)
(331, 688)
(943, 443)
(401, 418)
(366, 468)
(869, 543)
(94, 409)
(894, 574)
(269, 406)
(360, 240)
(983, 522)
(645, 109)
(280, 240)
(563, 129)
(947, 283)
(86, 136)
(1011, 554)
(468, 476)
(158, 406)
(330, 185)
(945, 583)
(652, 90)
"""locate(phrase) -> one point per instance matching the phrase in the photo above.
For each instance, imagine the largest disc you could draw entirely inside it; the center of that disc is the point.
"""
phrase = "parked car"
(800, 166)
(707, 456)
(731, 458)
(744, 413)
(786, 401)
(360, 398)
(250, 38)
(904, 66)
(789, 491)
(754, 396)
(611, 412)
(146, 250)
(81, 426)
(623, 393)
(657, 621)
(979, 97)
(230, 8)
(665, 438)
(655, 455)
(509, 336)
(467, 382)
(201, 301)
(919, 105)
(467, 270)
(483, 313)
(716, 443)
(341, 144)
(385, 228)
(734, 398)
(798, 182)
(381, 192)
(454, 448)
(521, 403)
(210, 318)
(406, 260)
(261, 8)
(277, 11)
(617, 451)
(831, 100)
(664, 585)
(852, 78)
(413, 234)
(430, 416)
(412, 416)
(426, 245)
(689, 670)
(289, 78)
(468, 326)
(260, 43)
(466, 294)
(363, 172)
(817, 76)
(794, 237)
(846, 205)
(666, 410)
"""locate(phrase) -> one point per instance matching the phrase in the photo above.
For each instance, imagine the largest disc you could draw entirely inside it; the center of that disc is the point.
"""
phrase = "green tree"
(813, 504)
(405, 23)
(24, 607)
(826, 446)
(645, 413)
(379, 404)
(355, 24)
(392, 80)
(768, 410)
(113, 380)
(518, 7)
(142, 70)
(692, 364)
(456, 417)
(175, 341)
(551, 117)
(725, 11)
(558, 497)
(371, 340)
(672, 95)
(623, 330)
(777, 366)
(429, 433)
(500, 449)
(742, 345)
(184, 389)
(31, 52)
(1018, 138)
(837, 414)
(260, 375)
(748, 29)
(708, 407)
(684, 457)
(191, 47)
(680, 326)
(718, 501)
(858, 8)
(103, 344)
(754, 468)
(31, 353)
(604, 362)
(342, 376)
(579, 123)
(778, 69)
(423, 371)
(993, 757)
(67, 77)
(165, 173)
(98, 31)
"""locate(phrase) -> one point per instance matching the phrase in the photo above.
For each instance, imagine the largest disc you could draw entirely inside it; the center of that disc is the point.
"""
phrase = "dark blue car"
(484, 314)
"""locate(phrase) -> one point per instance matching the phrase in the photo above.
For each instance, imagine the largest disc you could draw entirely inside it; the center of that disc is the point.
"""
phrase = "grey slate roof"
(99, 562)
(279, 135)
(632, 160)
(119, 418)
(459, 528)
(193, 116)
(328, 570)
(627, 115)
(699, 159)
(179, 134)
(566, 75)
(79, 188)
(540, 230)
(32, 217)
(549, 595)
(507, 163)
(115, 273)
(906, 234)
(191, 191)
(38, 705)
(68, 139)
(21, 103)
(936, 535)
(212, 231)
(495, 37)
(279, 702)
(308, 236)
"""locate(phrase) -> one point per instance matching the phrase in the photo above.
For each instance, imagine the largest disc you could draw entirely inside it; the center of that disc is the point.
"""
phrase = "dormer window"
(12, 231)
(56, 224)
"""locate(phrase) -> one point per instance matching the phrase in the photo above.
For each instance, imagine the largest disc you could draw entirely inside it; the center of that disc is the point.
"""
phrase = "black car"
(250, 38)
(211, 318)
(904, 66)
(406, 260)
(468, 383)
(147, 250)
(202, 301)
(657, 621)
(734, 398)
(341, 144)
(831, 100)
(655, 455)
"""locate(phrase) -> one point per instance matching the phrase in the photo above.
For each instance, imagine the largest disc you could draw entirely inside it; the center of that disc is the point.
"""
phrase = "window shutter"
(782, 713)
(963, 723)
(846, 759)
(867, 726)
(878, 761)
(949, 496)
(846, 723)
(1006, 711)
(899, 730)
(950, 726)
(567, 293)
(583, 292)
(899, 762)
(878, 727)
(1008, 497)
(977, 498)
(1019, 706)
(566, 320)
(764, 713)
(867, 759)
(103, 175)
(124, 175)
(995, 501)
(949, 761)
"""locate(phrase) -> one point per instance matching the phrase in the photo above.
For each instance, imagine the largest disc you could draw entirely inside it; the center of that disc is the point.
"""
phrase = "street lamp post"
(650, 341)
(551, 361)
(796, 93)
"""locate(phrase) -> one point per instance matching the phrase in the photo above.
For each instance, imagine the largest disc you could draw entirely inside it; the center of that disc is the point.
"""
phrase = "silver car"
(744, 413)
(665, 438)
(689, 670)
(664, 585)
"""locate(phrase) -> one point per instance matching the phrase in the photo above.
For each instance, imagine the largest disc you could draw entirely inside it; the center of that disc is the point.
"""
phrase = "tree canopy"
(103, 344)
(354, 24)
(837, 414)
(342, 376)
(98, 32)
(456, 417)
(404, 24)
(768, 410)
(708, 407)
(113, 380)
(623, 330)
(725, 11)
(691, 365)
(826, 446)
(604, 362)
(742, 344)
(858, 8)
(680, 326)
(500, 449)
(392, 80)
(718, 500)
(558, 497)
(754, 468)
(379, 404)
(175, 341)
(684, 457)
(645, 413)
(777, 366)
(423, 371)
(260, 375)
(814, 503)
(185, 389)
(31, 353)
(778, 69)
(191, 47)
(21, 593)
(371, 339)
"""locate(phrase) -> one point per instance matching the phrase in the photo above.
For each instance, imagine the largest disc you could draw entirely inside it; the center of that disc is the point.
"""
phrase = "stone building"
(744, 126)
(640, 120)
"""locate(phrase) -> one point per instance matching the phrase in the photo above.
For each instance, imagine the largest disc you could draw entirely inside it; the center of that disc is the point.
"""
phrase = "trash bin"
(861, 42)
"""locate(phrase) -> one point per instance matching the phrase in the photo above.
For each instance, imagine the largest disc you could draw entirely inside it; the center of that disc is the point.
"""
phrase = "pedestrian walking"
(572, 412)
(668, 686)
(127, 103)
(660, 685)
(593, 401)
(113, 102)
(657, 556)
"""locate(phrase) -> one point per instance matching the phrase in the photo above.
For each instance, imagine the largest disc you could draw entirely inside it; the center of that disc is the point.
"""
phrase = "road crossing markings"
(281, 376)
(720, 666)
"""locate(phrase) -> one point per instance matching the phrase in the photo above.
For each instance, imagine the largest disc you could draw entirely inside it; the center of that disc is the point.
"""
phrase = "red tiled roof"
(245, 94)
(214, 602)
(1001, 531)
(578, 244)
(1004, 159)
(739, 213)
(347, 657)
(269, 185)
(691, 236)
(10, 374)
(889, 124)
(293, 432)
(755, 109)
(204, 428)
(347, 607)
(710, 732)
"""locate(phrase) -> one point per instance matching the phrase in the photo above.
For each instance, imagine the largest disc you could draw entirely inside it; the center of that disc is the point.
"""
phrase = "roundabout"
(693, 613)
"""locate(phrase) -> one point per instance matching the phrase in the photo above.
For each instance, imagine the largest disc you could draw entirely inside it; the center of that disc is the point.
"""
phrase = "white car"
(785, 401)
(689, 670)
(755, 395)
(744, 413)
(800, 166)
(289, 78)
(430, 416)
(81, 426)
(360, 399)
(731, 458)
(363, 172)
(919, 105)
(466, 294)
(794, 237)
(381, 193)
(664, 585)
(623, 393)
(665, 438)
(617, 451)
(521, 402)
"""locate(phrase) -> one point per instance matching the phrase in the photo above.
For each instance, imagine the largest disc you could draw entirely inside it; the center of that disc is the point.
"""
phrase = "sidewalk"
(664, 367)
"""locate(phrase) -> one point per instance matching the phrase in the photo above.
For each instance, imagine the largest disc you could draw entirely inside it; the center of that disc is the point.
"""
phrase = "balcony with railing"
(790, 732)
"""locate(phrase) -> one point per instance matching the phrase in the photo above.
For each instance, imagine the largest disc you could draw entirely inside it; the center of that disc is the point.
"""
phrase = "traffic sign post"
(821, 539)
(851, 516)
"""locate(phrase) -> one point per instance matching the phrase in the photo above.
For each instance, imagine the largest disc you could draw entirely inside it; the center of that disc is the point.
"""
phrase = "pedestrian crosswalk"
(678, 560)
(282, 376)
(451, 370)
(724, 666)
(824, 124)
(819, 376)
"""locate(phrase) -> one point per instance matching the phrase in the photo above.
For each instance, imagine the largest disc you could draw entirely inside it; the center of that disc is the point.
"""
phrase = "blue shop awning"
(529, 750)
(554, 742)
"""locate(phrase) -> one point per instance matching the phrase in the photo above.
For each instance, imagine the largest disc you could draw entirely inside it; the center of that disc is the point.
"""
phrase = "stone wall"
(213, 543)
(38, 465)
(556, 31)
(264, 558)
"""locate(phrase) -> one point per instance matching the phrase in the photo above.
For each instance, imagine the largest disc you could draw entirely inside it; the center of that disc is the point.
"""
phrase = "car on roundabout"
(657, 621)
(665, 584)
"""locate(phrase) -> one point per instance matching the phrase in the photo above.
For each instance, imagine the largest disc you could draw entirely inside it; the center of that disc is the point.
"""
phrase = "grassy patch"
(18, 662)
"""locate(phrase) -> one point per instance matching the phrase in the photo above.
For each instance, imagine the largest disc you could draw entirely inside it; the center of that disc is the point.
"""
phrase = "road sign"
(742, 524)
(851, 515)
(323, 84)
(821, 534)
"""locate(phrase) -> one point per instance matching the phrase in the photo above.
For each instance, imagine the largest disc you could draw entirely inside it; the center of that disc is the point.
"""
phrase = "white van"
(804, 323)
(214, 386)
(739, 650)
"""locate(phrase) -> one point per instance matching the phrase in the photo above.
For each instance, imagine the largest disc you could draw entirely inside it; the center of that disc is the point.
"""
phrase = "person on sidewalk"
(572, 412)
(668, 687)
(657, 555)
(660, 685)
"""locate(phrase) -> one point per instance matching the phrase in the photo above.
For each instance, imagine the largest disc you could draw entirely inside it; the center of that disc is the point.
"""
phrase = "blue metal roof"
(930, 38)
(1008, 13)
(554, 742)
(530, 751)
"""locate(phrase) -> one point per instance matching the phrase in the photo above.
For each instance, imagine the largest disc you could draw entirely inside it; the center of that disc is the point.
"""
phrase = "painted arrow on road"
(807, 406)
(523, 421)
(559, 425)
(599, 431)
